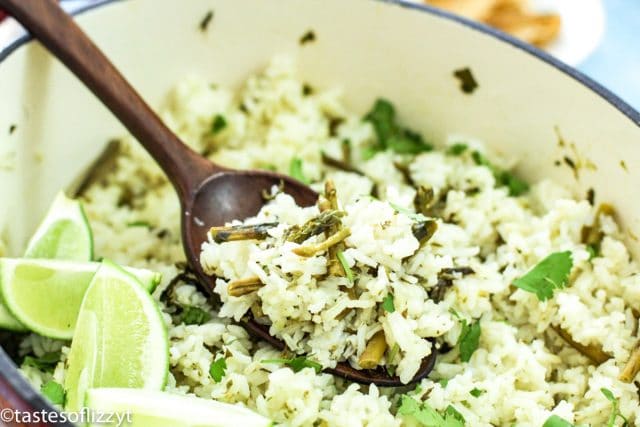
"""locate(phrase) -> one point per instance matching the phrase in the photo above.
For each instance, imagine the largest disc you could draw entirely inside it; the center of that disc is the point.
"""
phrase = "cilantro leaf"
(297, 364)
(387, 304)
(469, 339)
(457, 149)
(422, 413)
(54, 392)
(556, 421)
(476, 392)
(615, 409)
(345, 266)
(551, 273)
(218, 369)
(296, 172)
(453, 418)
(426, 416)
(47, 362)
(218, 124)
(515, 185)
(194, 316)
(389, 134)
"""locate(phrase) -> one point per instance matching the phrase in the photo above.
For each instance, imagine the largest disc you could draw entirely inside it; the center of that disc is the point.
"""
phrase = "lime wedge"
(45, 295)
(153, 408)
(121, 338)
(63, 234)
(7, 321)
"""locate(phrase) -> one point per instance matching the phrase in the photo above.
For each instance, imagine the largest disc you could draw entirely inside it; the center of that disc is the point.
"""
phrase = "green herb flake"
(556, 421)
(54, 392)
(593, 251)
(457, 149)
(204, 23)
(387, 304)
(444, 382)
(12, 129)
(476, 392)
(345, 266)
(390, 135)
(140, 223)
(515, 185)
(218, 124)
(469, 339)
(308, 37)
(194, 316)
(418, 217)
(615, 409)
(297, 364)
(551, 273)
(47, 362)
(453, 418)
(218, 369)
(296, 170)
(468, 83)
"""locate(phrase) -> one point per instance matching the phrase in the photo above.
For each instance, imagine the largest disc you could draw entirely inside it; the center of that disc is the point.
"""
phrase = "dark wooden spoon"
(209, 194)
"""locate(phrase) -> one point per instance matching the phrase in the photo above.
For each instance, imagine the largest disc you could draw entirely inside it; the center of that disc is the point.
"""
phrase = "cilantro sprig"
(390, 135)
(615, 409)
(550, 274)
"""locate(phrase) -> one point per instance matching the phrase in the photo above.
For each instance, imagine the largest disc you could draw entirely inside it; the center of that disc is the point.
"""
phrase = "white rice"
(525, 371)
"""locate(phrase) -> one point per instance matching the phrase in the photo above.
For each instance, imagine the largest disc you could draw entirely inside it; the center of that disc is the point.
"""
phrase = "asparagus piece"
(372, 354)
(632, 367)
(592, 351)
(241, 287)
(311, 250)
(241, 232)
(424, 230)
(314, 226)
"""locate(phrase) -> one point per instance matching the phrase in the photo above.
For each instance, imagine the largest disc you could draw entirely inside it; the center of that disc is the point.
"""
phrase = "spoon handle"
(57, 31)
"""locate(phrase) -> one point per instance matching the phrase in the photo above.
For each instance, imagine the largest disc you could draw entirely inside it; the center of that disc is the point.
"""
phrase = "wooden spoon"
(209, 194)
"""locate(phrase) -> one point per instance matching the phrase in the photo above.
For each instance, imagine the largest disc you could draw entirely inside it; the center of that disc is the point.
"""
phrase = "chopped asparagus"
(372, 354)
(241, 287)
(311, 250)
(592, 351)
(241, 232)
(631, 369)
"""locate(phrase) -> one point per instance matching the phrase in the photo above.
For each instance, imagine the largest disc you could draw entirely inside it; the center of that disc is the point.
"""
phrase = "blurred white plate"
(583, 25)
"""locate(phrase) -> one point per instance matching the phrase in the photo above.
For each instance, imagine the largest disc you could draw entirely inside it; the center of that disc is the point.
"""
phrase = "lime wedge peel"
(8, 321)
(45, 295)
(120, 338)
(64, 233)
(159, 409)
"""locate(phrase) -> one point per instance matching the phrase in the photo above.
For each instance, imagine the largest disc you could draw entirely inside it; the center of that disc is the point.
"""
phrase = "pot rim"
(8, 369)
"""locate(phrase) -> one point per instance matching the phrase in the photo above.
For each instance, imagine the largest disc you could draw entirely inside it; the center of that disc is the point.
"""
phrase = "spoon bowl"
(210, 194)
(226, 196)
